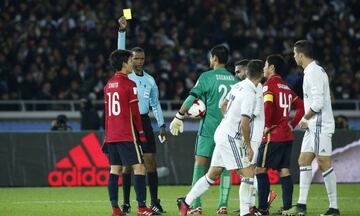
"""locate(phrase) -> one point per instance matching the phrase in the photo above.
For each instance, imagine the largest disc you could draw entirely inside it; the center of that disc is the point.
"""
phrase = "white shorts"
(255, 147)
(318, 143)
(229, 153)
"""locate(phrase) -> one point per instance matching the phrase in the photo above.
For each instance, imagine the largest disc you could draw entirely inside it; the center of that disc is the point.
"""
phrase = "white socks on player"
(305, 182)
(245, 195)
(254, 190)
(199, 188)
(330, 183)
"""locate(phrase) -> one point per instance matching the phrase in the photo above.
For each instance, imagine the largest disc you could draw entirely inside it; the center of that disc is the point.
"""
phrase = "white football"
(197, 110)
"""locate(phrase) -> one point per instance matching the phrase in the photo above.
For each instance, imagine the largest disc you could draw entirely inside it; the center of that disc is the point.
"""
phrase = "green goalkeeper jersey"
(212, 87)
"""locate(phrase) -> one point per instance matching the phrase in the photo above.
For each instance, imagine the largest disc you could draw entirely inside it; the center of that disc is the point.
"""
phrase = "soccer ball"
(197, 110)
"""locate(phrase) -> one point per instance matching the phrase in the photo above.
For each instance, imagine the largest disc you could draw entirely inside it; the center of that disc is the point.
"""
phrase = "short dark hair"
(242, 62)
(305, 47)
(221, 52)
(278, 62)
(255, 68)
(138, 49)
(118, 57)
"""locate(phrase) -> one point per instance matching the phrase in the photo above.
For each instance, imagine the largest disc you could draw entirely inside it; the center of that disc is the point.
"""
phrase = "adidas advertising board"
(56, 159)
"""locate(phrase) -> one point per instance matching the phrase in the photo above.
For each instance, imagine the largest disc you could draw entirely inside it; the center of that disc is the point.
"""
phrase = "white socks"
(330, 183)
(199, 188)
(254, 190)
(245, 195)
(305, 182)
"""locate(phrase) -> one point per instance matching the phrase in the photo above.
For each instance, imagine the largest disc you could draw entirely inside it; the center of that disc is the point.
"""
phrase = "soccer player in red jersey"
(122, 117)
(275, 150)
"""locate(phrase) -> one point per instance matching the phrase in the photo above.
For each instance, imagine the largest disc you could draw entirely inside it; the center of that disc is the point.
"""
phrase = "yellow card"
(127, 13)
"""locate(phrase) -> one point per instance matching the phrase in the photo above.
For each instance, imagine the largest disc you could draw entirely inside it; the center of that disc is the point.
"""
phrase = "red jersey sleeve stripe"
(132, 101)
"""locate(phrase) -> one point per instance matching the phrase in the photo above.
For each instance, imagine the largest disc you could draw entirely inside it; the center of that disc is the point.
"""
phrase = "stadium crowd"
(59, 49)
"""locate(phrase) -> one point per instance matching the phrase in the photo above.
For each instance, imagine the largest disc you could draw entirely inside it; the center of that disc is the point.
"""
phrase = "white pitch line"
(167, 201)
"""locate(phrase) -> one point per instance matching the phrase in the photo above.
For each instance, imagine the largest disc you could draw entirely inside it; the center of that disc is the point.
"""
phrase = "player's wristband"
(179, 116)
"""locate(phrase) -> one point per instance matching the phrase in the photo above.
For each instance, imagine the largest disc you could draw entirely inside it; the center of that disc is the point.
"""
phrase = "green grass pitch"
(94, 200)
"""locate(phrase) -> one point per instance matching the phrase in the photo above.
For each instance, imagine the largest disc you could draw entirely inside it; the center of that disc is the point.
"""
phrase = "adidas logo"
(86, 165)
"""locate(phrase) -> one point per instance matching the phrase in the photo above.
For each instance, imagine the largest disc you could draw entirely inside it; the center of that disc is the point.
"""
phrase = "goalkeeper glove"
(177, 124)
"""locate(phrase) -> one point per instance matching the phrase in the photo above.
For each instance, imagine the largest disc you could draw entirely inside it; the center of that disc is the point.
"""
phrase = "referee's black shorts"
(274, 155)
(150, 145)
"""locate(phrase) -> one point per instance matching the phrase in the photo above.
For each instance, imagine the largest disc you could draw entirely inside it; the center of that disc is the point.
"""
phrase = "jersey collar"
(249, 83)
(309, 66)
(120, 74)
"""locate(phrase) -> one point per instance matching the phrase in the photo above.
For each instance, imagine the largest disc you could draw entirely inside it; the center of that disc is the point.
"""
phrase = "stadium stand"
(58, 50)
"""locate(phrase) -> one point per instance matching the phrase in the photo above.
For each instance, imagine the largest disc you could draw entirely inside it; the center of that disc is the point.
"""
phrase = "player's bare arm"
(122, 23)
(304, 120)
(223, 106)
(245, 127)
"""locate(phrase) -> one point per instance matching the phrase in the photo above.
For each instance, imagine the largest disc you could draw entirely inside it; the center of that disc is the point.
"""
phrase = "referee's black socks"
(152, 178)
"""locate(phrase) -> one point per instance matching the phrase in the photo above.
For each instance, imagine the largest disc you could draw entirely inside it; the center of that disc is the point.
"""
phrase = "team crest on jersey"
(135, 91)
(265, 88)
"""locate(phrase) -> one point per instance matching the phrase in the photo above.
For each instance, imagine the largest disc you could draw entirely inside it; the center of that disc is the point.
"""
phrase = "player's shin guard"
(199, 171)
(225, 185)
(263, 190)
(305, 182)
(330, 183)
(245, 195)
(199, 188)
(126, 179)
(140, 189)
(113, 190)
(287, 187)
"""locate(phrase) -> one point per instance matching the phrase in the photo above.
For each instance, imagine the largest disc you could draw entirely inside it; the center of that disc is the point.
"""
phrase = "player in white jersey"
(319, 124)
(232, 137)
(257, 127)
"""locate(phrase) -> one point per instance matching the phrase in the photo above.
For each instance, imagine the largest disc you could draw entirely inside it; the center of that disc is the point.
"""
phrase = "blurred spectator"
(341, 122)
(60, 124)
(90, 119)
(66, 46)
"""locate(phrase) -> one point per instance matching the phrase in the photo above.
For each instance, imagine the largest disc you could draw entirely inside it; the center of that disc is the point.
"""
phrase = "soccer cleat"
(222, 211)
(332, 212)
(195, 211)
(126, 208)
(116, 212)
(258, 212)
(272, 196)
(183, 207)
(145, 212)
(301, 209)
(157, 208)
(290, 212)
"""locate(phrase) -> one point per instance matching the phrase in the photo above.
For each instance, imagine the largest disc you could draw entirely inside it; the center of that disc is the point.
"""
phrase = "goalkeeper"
(211, 87)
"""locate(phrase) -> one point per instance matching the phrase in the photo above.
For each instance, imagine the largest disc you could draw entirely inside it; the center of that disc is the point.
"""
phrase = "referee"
(148, 97)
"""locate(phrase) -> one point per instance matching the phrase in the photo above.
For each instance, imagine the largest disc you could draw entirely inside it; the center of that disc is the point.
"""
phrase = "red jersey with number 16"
(278, 101)
(119, 94)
